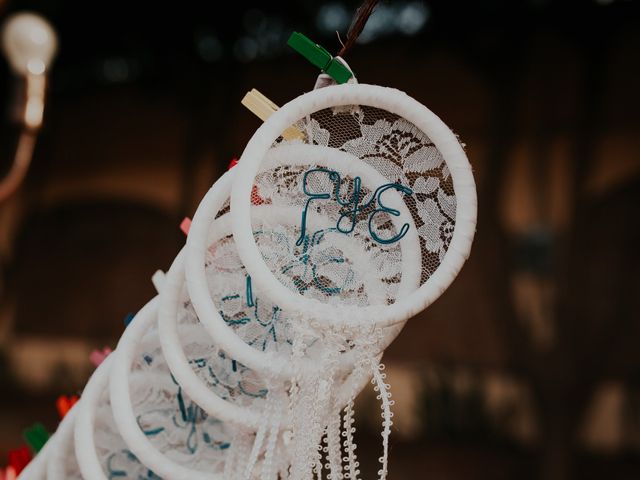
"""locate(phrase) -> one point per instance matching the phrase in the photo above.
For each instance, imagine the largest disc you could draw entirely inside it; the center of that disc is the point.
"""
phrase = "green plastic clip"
(36, 436)
(319, 57)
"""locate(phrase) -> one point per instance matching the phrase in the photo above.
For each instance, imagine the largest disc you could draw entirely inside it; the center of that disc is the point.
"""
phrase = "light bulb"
(29, 43)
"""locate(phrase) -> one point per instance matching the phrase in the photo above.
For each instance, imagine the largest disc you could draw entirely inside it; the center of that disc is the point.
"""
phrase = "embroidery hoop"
(193, 385)
(85, 430)
(36, 469)
(58, 459)
(84, 442)
(197, 243)
(123, 412)
(395, 102)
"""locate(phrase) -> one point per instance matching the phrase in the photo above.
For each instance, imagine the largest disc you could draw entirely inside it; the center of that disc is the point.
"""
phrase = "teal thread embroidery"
(198, 362)
(354, 203)
(192, 417)
(114, 472)
(242, 320)
(214, 443)
(151, 432)
(314, 196)
(259, 394)
(230, 297)
(390, 211)
(229, 383)
(310, 260)
(188, 417)
(243, 317)
(249, 292)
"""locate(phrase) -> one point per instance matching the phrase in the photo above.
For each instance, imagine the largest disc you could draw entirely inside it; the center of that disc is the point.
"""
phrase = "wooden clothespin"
(263, 108)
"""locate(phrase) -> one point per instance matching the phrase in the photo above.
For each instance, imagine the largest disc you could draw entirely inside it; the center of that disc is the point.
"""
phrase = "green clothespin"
(36, 436)
(319, 57)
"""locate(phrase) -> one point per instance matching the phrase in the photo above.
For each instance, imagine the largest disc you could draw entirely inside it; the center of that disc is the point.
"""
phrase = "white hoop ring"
(398, 103)
(120, 396)
(83, 434)
(37, 468)
(197, 283)
(63, 435)
(193, 386)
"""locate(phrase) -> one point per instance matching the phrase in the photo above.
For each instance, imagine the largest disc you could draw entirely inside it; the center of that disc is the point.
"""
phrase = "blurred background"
(527, 367)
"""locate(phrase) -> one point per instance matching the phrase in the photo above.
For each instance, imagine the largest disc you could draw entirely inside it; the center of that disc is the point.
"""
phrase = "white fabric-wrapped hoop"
(224, 336)
(121, 402)
(398, 103)
(195, 388)
(84, 441)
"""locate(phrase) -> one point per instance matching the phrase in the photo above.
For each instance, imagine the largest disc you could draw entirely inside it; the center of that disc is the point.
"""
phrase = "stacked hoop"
(301, 265)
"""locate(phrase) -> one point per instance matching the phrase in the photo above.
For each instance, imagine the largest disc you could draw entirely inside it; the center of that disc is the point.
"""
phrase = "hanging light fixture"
(29, 43)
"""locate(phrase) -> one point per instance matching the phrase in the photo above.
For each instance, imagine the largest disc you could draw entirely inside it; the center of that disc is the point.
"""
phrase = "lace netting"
(257, 321)
(173, 423)
(116, 459)
(306, 245)
(317, 267)
(397, 149)
(227, 378)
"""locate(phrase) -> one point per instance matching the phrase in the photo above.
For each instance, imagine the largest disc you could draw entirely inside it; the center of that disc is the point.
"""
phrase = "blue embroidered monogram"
(353, 205)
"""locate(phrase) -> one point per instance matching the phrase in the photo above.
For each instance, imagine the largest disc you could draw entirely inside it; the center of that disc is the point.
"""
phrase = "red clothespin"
(97, 356)
(64, 403)
(232, 163)
(185, 225)
(19, 458)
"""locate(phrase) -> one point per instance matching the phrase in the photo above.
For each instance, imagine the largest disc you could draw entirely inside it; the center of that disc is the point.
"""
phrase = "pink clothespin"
(185, 225)
(97, 356)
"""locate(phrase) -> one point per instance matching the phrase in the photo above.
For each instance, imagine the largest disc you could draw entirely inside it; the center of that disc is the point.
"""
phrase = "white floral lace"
(403, 154)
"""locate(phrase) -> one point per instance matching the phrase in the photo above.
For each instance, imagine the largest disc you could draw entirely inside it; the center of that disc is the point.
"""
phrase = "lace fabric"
(397, 149)
(172, 422)
(115, 457)
(224, 376)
